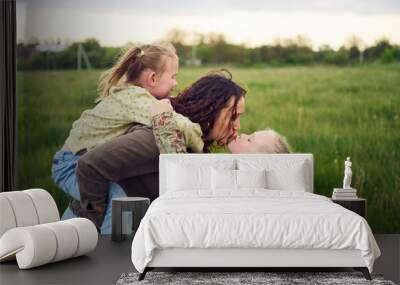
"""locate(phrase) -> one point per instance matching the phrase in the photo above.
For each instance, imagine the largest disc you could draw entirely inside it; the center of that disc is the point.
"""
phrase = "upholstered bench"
(31, 231)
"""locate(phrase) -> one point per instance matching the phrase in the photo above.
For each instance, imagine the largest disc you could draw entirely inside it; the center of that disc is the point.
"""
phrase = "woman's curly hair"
(203, 101)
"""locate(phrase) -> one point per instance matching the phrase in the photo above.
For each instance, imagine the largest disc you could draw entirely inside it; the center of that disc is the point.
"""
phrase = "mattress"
(251, 219)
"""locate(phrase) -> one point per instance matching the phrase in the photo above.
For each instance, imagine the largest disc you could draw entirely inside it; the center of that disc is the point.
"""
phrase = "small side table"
(358, 205)
(134, 207)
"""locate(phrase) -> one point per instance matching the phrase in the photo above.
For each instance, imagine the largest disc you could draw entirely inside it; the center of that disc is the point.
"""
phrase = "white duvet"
(250, 219)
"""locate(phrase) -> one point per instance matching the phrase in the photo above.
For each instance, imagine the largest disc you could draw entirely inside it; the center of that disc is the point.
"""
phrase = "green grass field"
(328, 111)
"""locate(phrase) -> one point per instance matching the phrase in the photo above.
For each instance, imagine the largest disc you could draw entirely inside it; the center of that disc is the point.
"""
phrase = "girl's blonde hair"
(133, 61)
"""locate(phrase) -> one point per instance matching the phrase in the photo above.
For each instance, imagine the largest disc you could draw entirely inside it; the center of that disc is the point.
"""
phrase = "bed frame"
(242, 259)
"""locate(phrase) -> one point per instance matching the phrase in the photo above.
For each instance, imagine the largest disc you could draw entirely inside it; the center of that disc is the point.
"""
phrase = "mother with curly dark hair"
(130, 161)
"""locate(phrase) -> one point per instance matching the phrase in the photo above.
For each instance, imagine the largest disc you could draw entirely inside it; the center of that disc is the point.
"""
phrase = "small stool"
(135, 206)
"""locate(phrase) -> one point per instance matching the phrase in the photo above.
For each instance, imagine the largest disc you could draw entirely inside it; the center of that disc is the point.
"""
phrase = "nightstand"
(358, 205)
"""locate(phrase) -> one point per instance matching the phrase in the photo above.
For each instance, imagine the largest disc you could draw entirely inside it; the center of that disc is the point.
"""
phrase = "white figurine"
(347, 174)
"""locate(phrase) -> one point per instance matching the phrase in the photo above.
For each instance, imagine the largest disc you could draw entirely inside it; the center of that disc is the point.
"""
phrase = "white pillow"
(223, 179)
(226, 179)
(186, 177)
(280, 174)
(291, 179)
(251, 178)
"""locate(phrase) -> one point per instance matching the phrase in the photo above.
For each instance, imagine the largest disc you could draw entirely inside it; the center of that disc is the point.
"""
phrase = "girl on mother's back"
(141, 76)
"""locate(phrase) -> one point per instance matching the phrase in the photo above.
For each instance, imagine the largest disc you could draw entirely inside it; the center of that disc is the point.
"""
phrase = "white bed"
(226, 217)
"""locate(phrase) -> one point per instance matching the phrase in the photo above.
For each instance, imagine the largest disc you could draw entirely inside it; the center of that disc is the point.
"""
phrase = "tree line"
(214, 49)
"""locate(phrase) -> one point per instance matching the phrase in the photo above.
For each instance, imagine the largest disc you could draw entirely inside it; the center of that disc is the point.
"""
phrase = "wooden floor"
(110, 260)
(389, 262)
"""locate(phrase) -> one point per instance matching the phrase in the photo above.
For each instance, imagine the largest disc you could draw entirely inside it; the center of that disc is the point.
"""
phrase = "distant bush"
(211, 51)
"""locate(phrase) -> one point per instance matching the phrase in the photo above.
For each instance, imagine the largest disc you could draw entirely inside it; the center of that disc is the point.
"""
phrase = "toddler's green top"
(126, 104)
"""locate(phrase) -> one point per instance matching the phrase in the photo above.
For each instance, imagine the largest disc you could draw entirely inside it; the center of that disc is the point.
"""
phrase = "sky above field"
(250, 22)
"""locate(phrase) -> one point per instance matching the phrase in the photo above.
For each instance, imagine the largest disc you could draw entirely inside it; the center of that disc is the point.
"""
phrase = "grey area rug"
(228, 278)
